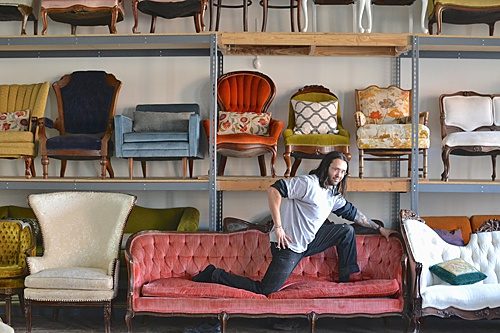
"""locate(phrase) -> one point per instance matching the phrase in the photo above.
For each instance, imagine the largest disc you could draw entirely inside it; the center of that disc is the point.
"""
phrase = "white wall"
(170, 80)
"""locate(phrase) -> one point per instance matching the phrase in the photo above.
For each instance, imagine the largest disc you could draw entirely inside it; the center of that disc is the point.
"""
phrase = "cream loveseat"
(429, 295)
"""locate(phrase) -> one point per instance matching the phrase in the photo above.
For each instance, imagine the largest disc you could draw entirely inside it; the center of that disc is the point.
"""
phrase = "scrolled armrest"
(360, 118)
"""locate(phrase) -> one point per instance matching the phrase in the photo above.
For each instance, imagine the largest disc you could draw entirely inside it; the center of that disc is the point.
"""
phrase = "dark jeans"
(284, 261)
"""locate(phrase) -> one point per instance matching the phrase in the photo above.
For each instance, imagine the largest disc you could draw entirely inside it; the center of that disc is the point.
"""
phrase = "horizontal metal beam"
(459, 188)
(104, 185)
(456, 55)
(105, 53)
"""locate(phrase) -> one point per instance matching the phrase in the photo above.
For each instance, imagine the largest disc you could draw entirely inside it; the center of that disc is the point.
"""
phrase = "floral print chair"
(383, 121)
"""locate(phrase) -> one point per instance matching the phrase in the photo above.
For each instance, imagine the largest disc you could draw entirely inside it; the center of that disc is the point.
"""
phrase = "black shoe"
(204, 328)
(205, 275)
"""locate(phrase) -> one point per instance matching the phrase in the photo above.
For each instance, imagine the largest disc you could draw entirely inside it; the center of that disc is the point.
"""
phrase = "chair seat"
(155, 137)
(477, 138)
(391, 136)
(243, 138)
(11, 271)
(315, 139)
(75, 141)
(9, 286)
(170, 9)
(15, 137)
(70, 278)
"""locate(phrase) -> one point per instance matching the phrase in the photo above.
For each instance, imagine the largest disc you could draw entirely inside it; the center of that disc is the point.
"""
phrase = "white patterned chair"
(20, 10)
(81, 232)
(470, 126)
(431, 296)
(383, 121)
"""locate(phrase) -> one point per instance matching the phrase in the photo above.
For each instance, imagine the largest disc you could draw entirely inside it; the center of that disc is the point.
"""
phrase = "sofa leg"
(128, 320)
(414, 325)
(494, 165)
(313, 317)
(223, 317)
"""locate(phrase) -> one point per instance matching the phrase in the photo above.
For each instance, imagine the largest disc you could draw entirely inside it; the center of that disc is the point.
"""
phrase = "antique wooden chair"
(314, 127)
(20, 10)
(383, 121)
(81, 232)
(245, 129)
(21, 105)
(86, 103)
(83, 13)
(169, 9)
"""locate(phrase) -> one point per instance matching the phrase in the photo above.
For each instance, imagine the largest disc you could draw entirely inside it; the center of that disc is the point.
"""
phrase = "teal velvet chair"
(324, 137)
(159, 132)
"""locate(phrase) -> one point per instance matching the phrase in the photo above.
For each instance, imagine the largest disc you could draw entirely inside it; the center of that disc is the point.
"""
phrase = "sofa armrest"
(194, 135)
(189, 220)
(123, 124)
(360, 119)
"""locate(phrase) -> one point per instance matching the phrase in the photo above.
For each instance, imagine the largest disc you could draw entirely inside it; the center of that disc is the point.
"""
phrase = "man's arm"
(364, 221)
(274, 195)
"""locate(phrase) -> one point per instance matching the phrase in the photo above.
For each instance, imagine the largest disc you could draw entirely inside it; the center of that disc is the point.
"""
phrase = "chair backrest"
(18, 97)
(245, 91)
(313, 93)
(391, 105)
(81, 229)
(86, 101)
(16, 239)
(466, 110)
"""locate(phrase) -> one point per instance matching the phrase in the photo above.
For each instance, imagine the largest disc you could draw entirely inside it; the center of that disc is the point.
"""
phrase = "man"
(299, 206)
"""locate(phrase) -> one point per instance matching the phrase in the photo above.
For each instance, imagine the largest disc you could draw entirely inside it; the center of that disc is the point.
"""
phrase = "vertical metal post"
(414, 123)
(212, 179)
(395, 165)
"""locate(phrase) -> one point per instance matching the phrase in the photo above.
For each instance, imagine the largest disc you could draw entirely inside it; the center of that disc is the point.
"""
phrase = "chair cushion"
(243, 122)
(384, 105)
(161, 121)
(14, 121)
(468, 112)
(478, 138)
(75, 141)
(79, 278)
(342, 138)
(391, 136)
(315, 117)
(12, 283)
(144, 137)
(170, 9)
(11, 271)
(16, 137)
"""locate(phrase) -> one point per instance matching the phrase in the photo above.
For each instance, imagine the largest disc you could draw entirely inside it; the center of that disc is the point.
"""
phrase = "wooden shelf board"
(316, 44)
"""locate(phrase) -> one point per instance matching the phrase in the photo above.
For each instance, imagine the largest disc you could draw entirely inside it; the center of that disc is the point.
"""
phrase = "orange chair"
(245, 129)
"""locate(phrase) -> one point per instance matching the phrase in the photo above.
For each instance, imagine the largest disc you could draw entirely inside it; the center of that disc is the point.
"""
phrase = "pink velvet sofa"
(161, 264)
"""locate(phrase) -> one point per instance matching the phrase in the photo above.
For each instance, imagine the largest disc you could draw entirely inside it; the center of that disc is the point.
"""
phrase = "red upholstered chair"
(245, 129)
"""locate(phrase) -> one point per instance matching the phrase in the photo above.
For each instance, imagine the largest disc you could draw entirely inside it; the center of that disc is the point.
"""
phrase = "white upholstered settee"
(429, 295)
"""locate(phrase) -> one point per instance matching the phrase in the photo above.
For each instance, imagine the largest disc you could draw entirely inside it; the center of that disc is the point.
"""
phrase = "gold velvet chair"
(21, 105)
(245, 129)
(17, 242)
(314, 127)
(86, 104)
(82, 13)
(20, 10)
(383, 122)
(81, 232)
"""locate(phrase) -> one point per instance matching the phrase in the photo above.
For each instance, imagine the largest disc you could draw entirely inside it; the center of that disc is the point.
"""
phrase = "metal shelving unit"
(157, 45)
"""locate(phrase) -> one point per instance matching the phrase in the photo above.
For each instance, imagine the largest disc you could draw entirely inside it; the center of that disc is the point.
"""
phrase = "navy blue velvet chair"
(86, 103)
(159, 132)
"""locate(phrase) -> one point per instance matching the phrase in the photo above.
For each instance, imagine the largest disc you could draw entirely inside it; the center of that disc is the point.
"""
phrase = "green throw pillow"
(457, 272)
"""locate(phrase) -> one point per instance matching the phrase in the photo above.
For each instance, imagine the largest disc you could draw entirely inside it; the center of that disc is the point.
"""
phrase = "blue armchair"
(159, 132)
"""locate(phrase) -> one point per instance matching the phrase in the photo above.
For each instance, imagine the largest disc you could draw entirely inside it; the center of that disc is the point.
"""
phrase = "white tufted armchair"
(81, 233)
(429, 295)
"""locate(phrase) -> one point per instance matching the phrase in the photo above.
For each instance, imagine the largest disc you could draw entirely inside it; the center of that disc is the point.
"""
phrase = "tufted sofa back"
(168, 254)
(429, 249)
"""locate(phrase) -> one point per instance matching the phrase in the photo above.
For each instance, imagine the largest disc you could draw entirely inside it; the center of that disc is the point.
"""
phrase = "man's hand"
(386, 232)
(283, 239)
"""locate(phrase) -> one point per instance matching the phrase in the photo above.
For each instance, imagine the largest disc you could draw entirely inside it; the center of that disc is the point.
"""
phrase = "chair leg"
(445, 156)
(73, 29)
(20, 295)
(494, 166)
(103, 167)
(191, 164)
(295, 166)
(109, 168)
(217, 14)
(222, 165)
(262, 165)
(144, 169)
(361, 163)
(245, 15)
(28, 166)
(43, 14)
(45, 166)
(128, 320)
(288, 162)
(184, 167)
(424, 163)
(107, 317)
(27, 314)
(292, 16)
(265, 4)
(114, 19)
(153, 24)
(273, 161)
(62, 172)
(8, 308)
(130, 168)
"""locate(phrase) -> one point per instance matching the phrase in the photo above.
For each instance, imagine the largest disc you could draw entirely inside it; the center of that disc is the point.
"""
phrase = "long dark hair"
(322, 171)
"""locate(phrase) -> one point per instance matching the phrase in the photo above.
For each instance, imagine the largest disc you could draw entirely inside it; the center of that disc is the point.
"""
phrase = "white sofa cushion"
(468, 112)
(479, 138)
(481, 252)
(73, 278)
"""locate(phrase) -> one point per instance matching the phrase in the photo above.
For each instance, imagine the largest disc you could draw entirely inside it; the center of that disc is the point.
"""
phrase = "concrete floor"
(91, 320)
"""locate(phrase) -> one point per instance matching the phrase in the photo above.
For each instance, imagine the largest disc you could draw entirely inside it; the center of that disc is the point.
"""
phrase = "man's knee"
(266, 290)
(348, 230)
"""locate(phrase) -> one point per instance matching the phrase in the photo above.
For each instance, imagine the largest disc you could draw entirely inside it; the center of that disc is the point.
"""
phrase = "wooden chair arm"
(423, 118)
(359, 118)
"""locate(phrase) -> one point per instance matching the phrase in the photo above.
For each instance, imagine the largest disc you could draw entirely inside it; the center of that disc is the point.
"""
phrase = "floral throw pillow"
(315, 117)
(244, 122)
(457, 272)
(14, 121)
